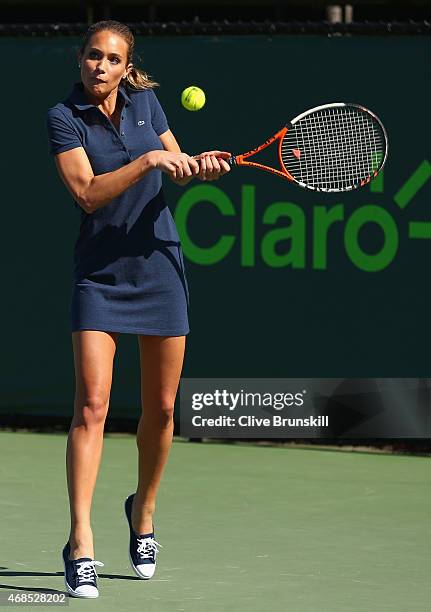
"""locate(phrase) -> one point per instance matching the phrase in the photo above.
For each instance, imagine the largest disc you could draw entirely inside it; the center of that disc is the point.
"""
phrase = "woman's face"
(104, 63)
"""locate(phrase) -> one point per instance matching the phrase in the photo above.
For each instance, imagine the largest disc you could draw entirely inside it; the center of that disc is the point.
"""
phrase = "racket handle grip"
(231, 160)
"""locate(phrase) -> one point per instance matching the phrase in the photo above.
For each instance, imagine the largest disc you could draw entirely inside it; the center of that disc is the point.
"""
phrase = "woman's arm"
(93, 192)
(212, 164)
(170, 143)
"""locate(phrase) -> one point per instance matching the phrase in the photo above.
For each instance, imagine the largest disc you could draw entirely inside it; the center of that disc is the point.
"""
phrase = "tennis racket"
(334, 147)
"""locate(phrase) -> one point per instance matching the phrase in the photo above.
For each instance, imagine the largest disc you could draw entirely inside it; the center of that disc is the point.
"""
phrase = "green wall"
(284, 300)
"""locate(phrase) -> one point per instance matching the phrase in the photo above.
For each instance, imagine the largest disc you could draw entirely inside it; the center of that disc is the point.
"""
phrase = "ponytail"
(138, 79)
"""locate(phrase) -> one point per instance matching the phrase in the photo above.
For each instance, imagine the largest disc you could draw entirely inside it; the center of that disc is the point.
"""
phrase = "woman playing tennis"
(112, 142)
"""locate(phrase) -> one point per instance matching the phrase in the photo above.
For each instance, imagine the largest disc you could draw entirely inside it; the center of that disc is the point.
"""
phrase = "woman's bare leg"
(161, 365)
(93, 356)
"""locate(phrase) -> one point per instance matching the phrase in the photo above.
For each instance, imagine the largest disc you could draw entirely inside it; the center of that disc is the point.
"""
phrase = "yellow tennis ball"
(193, 98)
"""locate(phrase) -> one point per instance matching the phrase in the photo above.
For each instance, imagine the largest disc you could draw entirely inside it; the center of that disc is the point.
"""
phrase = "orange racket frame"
(283, 172)
(241, 160)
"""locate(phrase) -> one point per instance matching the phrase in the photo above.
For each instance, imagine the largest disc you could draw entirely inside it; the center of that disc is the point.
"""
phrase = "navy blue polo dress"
(128, 265)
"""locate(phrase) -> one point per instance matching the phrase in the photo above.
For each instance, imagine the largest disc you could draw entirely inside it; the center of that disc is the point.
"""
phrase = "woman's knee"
(161, 409)
(94, 355)
(91, 411)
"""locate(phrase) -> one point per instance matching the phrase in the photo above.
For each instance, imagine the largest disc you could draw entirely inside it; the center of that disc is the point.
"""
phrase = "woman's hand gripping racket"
(334, 147)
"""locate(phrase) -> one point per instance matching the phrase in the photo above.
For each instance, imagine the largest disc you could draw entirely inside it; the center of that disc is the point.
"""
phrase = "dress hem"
(141, 332)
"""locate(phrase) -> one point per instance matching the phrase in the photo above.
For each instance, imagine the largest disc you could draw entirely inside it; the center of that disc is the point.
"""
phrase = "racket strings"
(334, 149)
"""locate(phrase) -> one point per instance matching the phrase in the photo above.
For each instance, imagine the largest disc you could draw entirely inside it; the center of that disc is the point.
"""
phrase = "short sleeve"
(158, 117)
(61, 135)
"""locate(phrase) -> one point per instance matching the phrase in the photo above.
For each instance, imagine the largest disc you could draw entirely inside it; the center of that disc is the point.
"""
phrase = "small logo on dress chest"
(142, 122)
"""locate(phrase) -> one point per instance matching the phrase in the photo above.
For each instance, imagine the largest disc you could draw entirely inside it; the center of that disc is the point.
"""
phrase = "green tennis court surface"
(242, 528)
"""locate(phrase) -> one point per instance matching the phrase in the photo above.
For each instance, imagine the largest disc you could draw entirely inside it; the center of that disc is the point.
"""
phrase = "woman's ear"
(78, 58)
(128, 69)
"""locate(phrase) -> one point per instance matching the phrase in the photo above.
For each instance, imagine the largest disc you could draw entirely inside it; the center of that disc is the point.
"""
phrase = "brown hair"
(136, 78)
